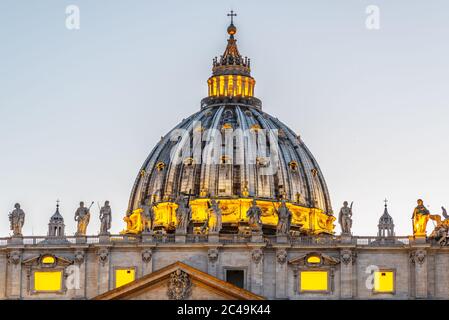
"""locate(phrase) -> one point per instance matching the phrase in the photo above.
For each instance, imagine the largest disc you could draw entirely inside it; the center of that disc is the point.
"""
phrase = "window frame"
(393, 270)
(61, 270)
(329, 281)
(115, 268)
(245, 274)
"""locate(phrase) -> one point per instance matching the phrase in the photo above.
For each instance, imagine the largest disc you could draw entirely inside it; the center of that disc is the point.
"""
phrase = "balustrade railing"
(359, 241)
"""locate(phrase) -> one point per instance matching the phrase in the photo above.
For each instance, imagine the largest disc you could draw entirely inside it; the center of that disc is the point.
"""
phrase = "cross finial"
(385, 202)
(57, 203)
(232, 15)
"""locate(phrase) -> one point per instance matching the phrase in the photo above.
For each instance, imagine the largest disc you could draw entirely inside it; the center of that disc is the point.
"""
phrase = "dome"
(233, 152)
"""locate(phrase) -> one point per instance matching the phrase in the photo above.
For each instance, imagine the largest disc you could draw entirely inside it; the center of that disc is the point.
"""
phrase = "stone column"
(212, 262)
(79, 275)
(103, 270)
(281, 273)
(147, 261)
(347, 276)
(13, 274)
(256, 275)
(419, 259)
(3, 268)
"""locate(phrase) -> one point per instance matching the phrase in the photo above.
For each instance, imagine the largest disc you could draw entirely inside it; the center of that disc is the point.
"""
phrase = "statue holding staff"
(82, 216)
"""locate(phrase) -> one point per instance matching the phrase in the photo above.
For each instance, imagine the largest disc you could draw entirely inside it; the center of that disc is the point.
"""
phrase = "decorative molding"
(79, 257)
(14, 257)
(103, 255)
(212, 254)
(418, 256)
(348, 256)
(257, 255)
(281, 256)
(147, 255)
(179, 285)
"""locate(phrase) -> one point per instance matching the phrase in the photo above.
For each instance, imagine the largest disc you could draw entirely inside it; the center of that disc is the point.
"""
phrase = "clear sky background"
(80, 110)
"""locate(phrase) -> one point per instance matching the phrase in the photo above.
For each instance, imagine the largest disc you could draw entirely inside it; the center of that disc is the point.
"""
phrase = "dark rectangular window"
(236, 277)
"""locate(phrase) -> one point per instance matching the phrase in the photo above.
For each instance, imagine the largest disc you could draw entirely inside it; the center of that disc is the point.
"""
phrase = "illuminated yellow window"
(124, 276)
(230, 85)
(314, 280)
(384, 281)
(239, 85)
(221, 85)
(313, 259)
(47, 280)
(48, 260)
(214, 88)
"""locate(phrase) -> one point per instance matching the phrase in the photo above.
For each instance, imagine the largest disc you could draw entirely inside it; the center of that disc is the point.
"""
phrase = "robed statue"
(284, 219)
(17, 220)
(254, 214)
(214, 218)
(82, 216)
(183, 214)
(420, 218)
(148, 216)
(105, 218)
(345, 218)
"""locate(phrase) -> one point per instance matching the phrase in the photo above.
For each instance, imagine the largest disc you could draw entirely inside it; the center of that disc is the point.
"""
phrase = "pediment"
(314, 259)
(178, 281)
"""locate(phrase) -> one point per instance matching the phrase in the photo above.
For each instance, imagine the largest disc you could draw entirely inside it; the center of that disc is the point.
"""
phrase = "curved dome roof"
(233, 151)
(296, 175)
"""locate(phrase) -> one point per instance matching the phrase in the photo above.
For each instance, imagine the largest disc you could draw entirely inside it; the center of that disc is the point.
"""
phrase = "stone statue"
(345, 218)
(253, 214)
(183, 215)
(17, 220)
(148, 217)
(441, 231)
(284, 219)
(420, 217)
(214, 222)
(82, 216)
(105, 218)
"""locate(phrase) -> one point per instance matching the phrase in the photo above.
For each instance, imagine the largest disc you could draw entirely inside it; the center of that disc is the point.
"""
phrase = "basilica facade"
(230, 204)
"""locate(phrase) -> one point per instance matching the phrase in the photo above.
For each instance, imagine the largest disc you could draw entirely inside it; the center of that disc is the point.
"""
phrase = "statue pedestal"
(419, 239)
(15, 240)
(81, 239)
(282, 238)
(104, 238)
(147, 236)
(346, 238)
(257, 236)
(213, 238)
(180, 238)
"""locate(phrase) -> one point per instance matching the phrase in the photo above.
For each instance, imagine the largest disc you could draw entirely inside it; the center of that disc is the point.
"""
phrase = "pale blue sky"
(81, 110)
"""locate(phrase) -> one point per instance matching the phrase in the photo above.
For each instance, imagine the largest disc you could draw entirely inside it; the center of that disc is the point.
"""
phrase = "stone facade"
(270, 268)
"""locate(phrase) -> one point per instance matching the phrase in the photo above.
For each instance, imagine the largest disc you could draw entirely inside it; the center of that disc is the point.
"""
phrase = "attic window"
(314, 260)
(124, 276)
(48, 260)
(384, 281)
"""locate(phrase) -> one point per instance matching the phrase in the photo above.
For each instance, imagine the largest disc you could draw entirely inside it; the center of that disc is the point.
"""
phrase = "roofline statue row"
(421, 216)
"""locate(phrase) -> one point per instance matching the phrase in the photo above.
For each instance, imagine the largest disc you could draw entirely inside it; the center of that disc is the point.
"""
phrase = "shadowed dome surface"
(234, 152)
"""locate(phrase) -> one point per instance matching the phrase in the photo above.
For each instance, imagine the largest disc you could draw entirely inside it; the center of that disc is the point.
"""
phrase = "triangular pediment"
(178, 281)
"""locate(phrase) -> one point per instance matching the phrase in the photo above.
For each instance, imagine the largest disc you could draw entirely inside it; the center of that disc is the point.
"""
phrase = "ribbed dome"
(298, 177)
(233, 152)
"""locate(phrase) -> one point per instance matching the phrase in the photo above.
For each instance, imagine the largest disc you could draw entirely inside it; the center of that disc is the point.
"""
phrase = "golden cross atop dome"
(232, 15)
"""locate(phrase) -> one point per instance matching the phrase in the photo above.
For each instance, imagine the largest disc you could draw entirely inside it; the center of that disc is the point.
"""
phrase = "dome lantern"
(231, 73)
